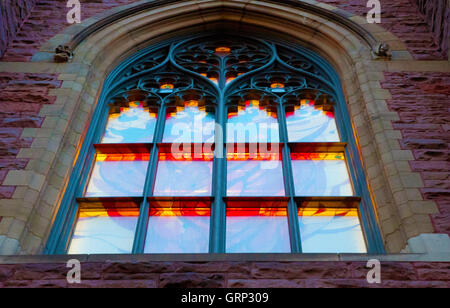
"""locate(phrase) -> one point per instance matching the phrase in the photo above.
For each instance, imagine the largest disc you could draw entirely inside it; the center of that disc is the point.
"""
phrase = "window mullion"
(294, 228)
(218, 208)
(141, 228)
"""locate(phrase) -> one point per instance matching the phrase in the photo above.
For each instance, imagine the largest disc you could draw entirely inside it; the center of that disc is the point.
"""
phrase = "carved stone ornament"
(382, 50)
(63, 53)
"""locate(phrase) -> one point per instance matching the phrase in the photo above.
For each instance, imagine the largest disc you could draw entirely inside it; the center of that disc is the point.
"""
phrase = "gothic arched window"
(233, 145)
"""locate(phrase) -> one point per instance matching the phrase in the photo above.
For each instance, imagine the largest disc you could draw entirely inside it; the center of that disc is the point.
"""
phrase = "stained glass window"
(252, 172)
(321, 174)
(252, 123)
(178, 231)
(131, 124)
(118, 175)
(224, 145)
(104, 229)
(191, 123)
(308, 122)
(331, 231)
(184, 173)
(257, 230)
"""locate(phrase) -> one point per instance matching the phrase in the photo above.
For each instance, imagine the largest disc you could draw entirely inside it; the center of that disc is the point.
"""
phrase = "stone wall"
(422, 102)
(425, 37)
(401, 17)
(22, 98)
(437, 16)
(48, 18)
(12, 15)
(228, 274)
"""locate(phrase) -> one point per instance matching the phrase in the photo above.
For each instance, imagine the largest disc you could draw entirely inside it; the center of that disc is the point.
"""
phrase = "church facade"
(359, 131)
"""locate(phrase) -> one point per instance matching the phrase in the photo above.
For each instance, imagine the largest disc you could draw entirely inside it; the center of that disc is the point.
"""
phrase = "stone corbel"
(63, 53)
(381, 51)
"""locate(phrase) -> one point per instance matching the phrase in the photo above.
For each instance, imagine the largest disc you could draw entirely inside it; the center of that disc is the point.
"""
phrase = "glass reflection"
(257, 231)
(118, 175)
(178, 231)
(133, 124)
(181, 176)
(307, 122)
(331, 231)
(254, 176)
(104, 232)
(253, 123)
(189, 123)
(321, 174)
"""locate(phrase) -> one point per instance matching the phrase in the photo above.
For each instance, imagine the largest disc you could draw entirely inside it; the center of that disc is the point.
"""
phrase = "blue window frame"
(198, 144)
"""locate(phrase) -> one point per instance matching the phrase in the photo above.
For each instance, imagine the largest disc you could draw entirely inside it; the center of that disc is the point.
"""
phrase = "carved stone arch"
(100, 46)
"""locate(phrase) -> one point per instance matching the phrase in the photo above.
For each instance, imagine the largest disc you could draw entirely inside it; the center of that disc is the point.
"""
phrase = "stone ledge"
(46, 259)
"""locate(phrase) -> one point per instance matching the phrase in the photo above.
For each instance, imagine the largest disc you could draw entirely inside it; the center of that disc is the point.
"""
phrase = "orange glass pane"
(223, 50)
(166, 88)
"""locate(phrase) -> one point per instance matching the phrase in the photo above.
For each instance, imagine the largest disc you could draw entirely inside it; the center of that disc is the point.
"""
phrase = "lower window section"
(183, 226)
(331, 231)
(105, 228)
(257, 230)
(178, 231)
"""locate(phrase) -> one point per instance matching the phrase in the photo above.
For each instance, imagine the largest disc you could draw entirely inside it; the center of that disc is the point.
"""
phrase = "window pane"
(189, 123)
(331, 231)
(178, 231)
(184, 174)
(253, 123)
(307, 122)
(321, 174)
(118, 175)
(104, 231)
(257, 231)
(255, 174)
(133, 124)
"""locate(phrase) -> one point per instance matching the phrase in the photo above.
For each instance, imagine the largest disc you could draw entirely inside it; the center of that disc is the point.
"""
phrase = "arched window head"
(230, 145)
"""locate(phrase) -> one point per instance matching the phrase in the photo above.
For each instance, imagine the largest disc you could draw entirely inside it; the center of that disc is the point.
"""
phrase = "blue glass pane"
(337, 231)
(103, 234)
(310, 123)
(134, 124)
(118, 175)
(316, 177)
(178, 234)
(189, 124)
(183, 178)
(255, 178)
(253, 124)
(257, 234)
